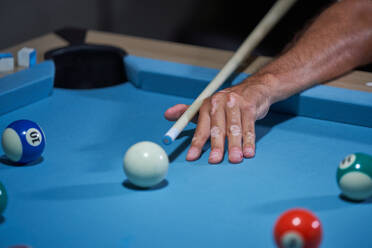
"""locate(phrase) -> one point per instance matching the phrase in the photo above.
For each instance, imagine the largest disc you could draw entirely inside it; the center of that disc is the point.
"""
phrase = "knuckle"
(206, 101)
(232, 95)
(201, 137)
(234, 130)
(249, 137)
(217, 132)
(232, 100)
(218, 96)
(249, 108)
(249, 134)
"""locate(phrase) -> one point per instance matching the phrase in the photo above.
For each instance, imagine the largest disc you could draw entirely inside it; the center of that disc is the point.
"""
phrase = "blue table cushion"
(321, 102)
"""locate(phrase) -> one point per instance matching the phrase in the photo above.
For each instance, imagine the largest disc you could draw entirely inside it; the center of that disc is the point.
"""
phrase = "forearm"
(337, 41)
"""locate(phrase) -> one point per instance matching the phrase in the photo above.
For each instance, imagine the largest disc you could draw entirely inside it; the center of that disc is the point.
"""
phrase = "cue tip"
(171, 135)
(167, 140)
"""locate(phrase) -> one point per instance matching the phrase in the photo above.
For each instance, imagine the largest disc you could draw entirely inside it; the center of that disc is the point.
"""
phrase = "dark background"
(213, 23)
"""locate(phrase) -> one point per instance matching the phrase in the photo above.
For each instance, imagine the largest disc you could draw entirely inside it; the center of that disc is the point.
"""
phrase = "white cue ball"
(145, 164)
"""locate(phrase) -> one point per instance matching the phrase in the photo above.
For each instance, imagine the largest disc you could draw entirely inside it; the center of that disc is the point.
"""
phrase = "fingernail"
(235, 155)
(193, 153)
(215, 156)
(171, 109)
(248, 152)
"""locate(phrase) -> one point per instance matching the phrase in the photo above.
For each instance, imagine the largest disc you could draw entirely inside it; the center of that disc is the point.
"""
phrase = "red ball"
(298, 228)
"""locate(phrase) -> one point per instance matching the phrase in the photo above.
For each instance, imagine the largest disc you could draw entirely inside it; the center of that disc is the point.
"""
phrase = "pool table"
(77, 194)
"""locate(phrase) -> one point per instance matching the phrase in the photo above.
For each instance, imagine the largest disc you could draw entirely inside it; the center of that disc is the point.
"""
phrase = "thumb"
(175, 112)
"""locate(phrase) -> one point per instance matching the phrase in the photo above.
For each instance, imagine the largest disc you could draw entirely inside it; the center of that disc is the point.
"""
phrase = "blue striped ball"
(23, 141)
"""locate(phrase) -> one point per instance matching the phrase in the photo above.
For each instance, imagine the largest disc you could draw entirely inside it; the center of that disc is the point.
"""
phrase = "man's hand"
(230, 113)
(337, 41)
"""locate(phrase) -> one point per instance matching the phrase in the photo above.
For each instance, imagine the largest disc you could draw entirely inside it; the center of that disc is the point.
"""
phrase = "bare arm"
(337, 41)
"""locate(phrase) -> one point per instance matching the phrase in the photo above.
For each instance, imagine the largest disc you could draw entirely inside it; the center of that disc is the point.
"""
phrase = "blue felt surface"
(77, 195)
(26, 86)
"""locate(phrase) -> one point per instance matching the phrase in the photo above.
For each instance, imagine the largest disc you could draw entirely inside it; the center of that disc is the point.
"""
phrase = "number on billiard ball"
(298, 228)
(23, 141)
(354, 176)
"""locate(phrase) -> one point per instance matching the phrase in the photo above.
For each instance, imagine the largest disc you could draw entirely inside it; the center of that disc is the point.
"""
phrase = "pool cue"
(276, 12)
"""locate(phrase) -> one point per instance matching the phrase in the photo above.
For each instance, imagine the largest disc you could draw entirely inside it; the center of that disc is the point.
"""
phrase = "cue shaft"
(276, 12)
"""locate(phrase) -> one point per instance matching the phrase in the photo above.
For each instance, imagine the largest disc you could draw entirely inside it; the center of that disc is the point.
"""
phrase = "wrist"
(267, 84)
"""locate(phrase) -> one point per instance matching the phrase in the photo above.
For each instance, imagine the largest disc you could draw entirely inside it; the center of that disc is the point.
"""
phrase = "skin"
(338, 40)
